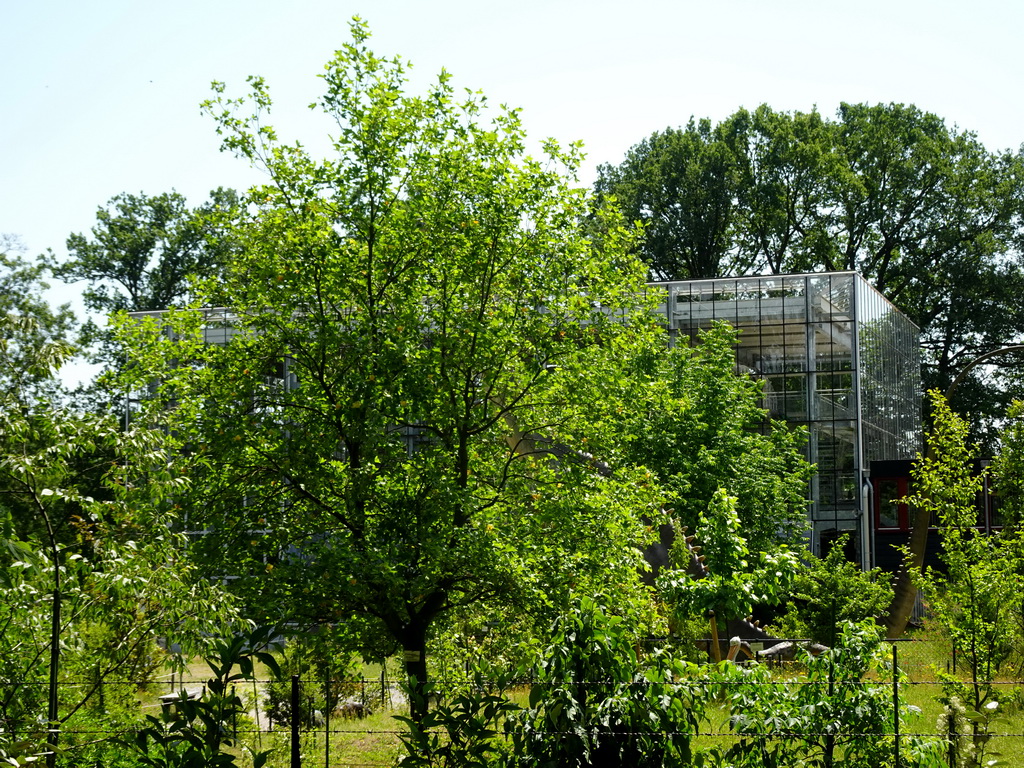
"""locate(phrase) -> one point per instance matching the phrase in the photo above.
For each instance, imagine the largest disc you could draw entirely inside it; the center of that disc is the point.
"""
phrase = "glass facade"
(836, 357)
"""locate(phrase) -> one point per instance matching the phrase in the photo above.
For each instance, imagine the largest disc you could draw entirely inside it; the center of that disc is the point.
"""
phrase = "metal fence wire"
(331, 723)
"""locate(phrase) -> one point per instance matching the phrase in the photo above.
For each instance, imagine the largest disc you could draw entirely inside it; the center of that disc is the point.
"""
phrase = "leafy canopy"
(406, 411)
(700, 427)
(919, 207)
(145, 250)
(143, 254)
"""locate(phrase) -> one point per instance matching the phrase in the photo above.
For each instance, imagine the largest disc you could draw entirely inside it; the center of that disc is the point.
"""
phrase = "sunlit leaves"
(409, 395)
(91, 566)
(974, 597)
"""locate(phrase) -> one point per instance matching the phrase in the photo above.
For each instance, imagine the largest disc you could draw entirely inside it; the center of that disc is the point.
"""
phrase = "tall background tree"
(683, 185)
(921, 209)
(28, 321)
(144, 254)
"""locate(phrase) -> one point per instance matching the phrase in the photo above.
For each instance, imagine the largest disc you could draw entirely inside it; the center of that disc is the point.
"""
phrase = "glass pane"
(888, 509)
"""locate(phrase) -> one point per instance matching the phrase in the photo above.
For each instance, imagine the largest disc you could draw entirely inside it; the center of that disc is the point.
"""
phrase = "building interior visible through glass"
(836, 357)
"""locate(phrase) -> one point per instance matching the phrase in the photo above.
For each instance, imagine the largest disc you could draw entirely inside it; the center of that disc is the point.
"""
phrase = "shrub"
(325, 681)
(830, 592)
(594, 702)
(832, 717)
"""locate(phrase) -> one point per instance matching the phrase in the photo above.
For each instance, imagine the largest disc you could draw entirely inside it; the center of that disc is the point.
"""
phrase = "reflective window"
(834, 356)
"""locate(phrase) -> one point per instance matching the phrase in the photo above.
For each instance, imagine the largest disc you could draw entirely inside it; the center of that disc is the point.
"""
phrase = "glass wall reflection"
(836, 357)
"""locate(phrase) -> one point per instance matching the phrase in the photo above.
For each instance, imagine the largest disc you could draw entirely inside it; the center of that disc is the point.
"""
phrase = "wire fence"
(334, 723)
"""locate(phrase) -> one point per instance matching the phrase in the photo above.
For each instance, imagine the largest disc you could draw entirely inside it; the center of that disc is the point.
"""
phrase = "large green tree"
(731, 476)
(922, 209)
(144, 253)
(786, 161)
(145, 250)
(408, 409)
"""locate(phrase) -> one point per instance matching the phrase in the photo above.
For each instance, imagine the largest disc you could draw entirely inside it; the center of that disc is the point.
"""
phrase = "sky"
(103, 97)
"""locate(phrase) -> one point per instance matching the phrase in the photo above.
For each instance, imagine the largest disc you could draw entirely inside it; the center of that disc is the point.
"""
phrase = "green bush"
(830, 592)
(839, 714)
(198, 733)
(461, 732)
(325, 680)
(595, 702)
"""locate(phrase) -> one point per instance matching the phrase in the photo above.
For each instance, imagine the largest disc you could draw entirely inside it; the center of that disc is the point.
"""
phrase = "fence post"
(830, 739)
(896, 704)
(327, 715)
(295, 721)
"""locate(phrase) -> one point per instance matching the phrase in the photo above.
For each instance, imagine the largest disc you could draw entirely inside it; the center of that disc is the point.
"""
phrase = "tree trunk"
(52, 725)
(414, 645)
(53, 703)
(904, 591)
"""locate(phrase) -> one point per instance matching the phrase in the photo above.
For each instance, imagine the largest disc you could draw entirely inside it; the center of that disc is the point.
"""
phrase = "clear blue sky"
(102, 97)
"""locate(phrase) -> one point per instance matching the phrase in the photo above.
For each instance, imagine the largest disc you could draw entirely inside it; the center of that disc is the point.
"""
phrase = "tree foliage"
(700, 427)
(976, 596)
(920, 208)
(831, 591)
(682, 184)
(407, 414)
(90, 572)
(1008, 467)
(28, 322)
(144, 254)
(145, 250)
(738, 575)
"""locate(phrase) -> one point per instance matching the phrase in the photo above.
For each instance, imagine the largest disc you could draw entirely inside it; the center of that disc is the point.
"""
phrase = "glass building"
(836, 357)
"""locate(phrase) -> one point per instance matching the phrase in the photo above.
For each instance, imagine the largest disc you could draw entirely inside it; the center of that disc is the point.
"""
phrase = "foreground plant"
(194, 731)
(976, 597)
(594, 701)
(839, 714)
(736, 577)
(463, 731)
(829, 592)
